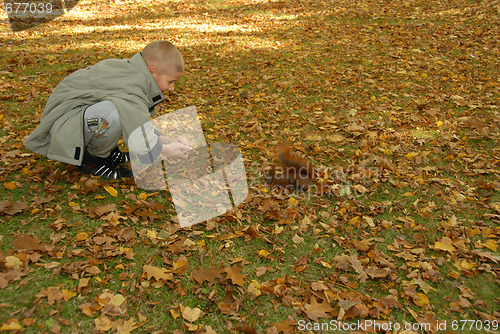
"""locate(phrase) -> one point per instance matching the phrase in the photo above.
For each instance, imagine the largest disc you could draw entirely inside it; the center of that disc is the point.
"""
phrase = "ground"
(395, 103)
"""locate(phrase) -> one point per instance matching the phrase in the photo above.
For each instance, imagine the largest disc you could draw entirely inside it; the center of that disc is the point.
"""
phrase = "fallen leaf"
(127, 327)
(445, 244)
(234, 274)
(157, 273)
(421, 300)
(68, 294)
(285, 326)
(11, 324)
(13, 262)
(26, 242)
(11, 208)
(209, 275)
(112, 191)
(298, 240)
(102, 324)
(191, 314)
(254, 288)
(263, 253)
(316, 310)
(10, 185)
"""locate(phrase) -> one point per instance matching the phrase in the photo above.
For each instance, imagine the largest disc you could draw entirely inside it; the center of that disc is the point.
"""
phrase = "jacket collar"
(155, 95)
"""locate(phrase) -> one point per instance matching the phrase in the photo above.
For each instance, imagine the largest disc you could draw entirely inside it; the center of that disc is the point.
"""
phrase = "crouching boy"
(93, 108)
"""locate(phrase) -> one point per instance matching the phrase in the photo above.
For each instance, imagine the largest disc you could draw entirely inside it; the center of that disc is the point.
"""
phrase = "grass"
(281, 75)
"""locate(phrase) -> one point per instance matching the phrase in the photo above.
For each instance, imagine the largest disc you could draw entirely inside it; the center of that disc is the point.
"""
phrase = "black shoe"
(107, 168)
(118, 156)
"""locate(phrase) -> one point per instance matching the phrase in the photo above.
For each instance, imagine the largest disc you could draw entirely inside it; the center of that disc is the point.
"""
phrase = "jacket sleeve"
(138, 132)
(145, 144)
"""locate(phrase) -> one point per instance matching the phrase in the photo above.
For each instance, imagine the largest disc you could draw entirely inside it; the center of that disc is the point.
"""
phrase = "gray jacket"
(127, 83)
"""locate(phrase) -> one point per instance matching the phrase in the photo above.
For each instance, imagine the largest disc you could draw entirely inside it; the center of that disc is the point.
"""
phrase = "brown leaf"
(11, 208)
(127, 327)
(245, 328)
(234, 274)
(52, 293)
(262, 270)
(101, 210)
(252, 231)
(363, 245)
(157, 273)
(315, 310)
(285, 326)
(209, 275)
(351, 262)
(359, 310)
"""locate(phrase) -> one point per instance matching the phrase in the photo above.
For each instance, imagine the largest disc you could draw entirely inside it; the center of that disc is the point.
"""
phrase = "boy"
(91, 109)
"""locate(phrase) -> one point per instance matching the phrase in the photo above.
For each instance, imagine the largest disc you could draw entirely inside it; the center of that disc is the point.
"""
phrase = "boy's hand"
(165, 141)
(176, 150)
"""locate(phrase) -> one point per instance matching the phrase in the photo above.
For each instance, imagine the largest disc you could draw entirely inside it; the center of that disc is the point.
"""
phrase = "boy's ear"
(152, 69)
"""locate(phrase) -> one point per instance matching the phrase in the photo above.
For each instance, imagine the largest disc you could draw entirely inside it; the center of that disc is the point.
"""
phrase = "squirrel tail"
(301, 167)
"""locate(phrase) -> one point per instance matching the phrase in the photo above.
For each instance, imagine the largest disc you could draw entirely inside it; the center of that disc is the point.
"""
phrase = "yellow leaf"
(181, 262)
(112, 191)
(152, 234)
(354, 220)
(326, 264)
(13, 262)
(465, 265)
(421, 300)
(11, 324)
(446, 244)
(81, 236)
(174, 313)
(491, 244)
(293, 201)
(254, 288)
(102, 324)
(68, 294)
(99, 197)
(278, 229)
(143, 196)
(369, 221)
(263, 253)
(72, 204)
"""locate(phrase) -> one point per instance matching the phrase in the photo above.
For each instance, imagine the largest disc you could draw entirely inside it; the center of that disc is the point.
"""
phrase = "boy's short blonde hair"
(164, 56)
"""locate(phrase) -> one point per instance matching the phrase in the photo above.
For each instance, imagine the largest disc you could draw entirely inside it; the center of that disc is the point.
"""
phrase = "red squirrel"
(290, 169)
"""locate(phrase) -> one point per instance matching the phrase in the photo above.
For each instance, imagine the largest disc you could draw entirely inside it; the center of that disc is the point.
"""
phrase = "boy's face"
(166, 80)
